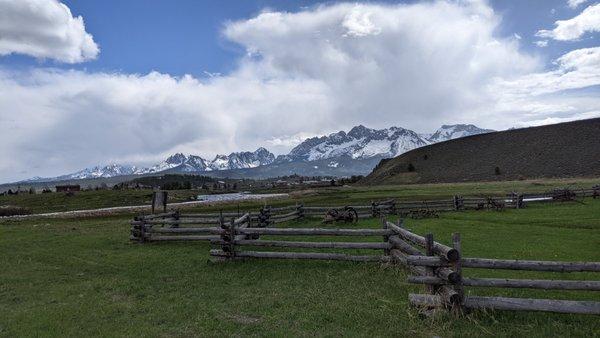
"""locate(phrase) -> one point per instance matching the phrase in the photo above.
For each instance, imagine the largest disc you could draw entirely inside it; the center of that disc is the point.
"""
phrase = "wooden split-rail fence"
(173, 226)
(437, 266)
(176, 226)
(238, 237)
(440, 269)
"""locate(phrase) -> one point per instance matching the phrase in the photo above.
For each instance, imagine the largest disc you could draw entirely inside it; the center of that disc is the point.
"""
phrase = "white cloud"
(574, 28)
(427, 59)
(577, 69)
(358, 23)
(44, 29)
(305, 74)
(541, 43)
(553, 95)
(575, 3)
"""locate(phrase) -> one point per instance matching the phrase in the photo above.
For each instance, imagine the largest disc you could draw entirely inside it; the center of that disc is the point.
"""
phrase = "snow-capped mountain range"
(193, 163)
(359, 143)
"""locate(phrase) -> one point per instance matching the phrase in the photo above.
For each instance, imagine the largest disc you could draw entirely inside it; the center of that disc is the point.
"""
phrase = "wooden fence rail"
(443, 278)
(232, 247)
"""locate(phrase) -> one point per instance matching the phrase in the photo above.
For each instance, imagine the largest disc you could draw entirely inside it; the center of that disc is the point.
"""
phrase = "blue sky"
(184, 36)
(85, 82)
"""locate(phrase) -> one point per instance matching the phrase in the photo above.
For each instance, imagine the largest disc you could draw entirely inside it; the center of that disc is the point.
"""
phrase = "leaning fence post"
(457, 266)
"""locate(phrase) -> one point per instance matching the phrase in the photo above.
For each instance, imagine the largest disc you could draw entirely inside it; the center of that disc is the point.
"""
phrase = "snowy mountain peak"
(177, 158)
(449, 132)
(241, 160)
(359, 143)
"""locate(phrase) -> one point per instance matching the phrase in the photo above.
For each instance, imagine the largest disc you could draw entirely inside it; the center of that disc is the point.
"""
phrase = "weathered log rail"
(175, 226)
(232, 247)
(443, 276)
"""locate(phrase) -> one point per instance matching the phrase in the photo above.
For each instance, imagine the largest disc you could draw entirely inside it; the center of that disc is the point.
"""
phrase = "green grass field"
(54, 202)
(82, 277)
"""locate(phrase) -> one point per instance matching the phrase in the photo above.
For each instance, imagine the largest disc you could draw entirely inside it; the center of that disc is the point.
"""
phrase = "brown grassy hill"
(570, 149)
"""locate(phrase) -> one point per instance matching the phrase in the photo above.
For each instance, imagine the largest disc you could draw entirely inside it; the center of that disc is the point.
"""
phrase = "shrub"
(12, 210)
(411, 167)
(497, 170)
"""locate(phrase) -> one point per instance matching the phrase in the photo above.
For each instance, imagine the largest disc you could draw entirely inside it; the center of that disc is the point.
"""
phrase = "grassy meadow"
(83, 277)
(56, 202)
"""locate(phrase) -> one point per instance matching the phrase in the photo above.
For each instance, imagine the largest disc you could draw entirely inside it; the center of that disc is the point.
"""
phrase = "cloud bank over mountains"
(309, 72)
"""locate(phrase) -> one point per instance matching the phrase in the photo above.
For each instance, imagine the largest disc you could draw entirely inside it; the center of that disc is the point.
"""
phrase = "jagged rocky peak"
(177, 158)
(359, 143)
(263, 153)
(244, 159)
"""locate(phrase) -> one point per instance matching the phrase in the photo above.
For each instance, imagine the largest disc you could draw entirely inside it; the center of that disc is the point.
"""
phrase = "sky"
(88, 82)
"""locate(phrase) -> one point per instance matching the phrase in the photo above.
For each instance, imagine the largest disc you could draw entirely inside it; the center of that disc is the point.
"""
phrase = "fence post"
(176, 216)
(268, 216)
(159, 201)
(232, 233)
(373, 209)
(386, 238)
(456, 201)
(520, 201)
(300, 209)
(393, 208)
(223, 235)
(429, 252)
(457, 266)
(143, 231)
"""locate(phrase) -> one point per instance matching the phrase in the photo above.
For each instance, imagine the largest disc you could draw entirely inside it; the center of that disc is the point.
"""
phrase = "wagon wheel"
(330, 216)
(333, 213)
(352, 214)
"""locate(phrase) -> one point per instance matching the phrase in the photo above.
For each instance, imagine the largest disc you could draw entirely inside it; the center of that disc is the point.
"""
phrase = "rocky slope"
(560, 150)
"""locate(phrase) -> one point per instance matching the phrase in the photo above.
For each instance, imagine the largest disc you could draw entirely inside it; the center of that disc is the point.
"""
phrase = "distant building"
(68, 188)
